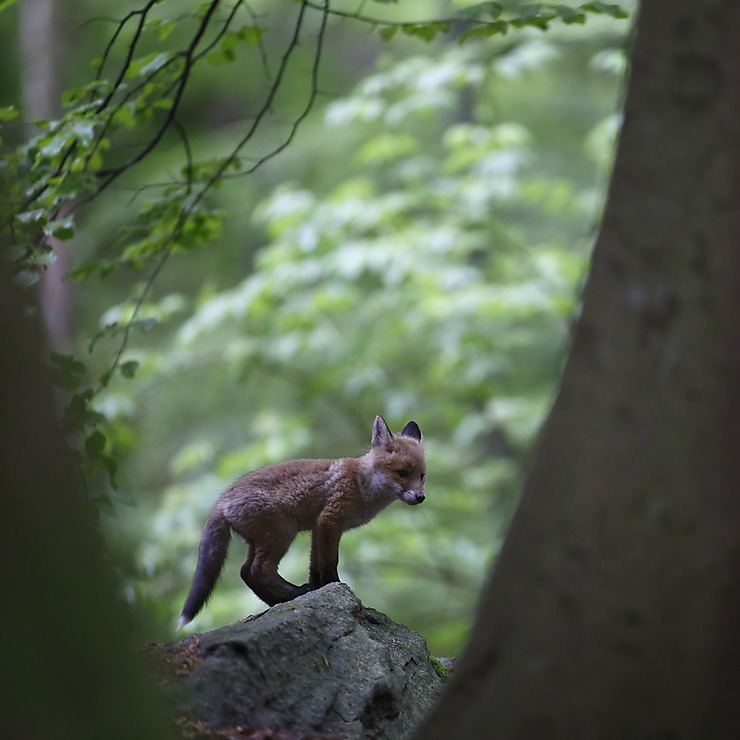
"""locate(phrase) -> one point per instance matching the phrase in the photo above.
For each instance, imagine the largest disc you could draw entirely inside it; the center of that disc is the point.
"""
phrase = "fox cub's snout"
(412, 498)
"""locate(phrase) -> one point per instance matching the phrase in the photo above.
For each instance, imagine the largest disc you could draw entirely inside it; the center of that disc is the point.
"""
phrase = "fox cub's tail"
(211, 557)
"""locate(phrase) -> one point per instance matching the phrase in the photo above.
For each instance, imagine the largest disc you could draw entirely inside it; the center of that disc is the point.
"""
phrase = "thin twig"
(218, 173)
(189, 58)
(131, 49)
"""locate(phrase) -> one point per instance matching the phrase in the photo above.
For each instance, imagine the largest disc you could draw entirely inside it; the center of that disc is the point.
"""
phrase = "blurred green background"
(416, 252)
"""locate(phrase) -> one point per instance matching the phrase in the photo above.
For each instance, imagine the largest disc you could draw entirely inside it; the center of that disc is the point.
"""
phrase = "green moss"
(287, 606)
(440, 669)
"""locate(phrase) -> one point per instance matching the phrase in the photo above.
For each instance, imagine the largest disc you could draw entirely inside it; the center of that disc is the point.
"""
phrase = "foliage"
(487, 19)
(431, 276)
(422, 286)
(74, 159)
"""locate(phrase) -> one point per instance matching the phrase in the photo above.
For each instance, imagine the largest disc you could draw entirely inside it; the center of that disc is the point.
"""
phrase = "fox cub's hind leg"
(260, 573)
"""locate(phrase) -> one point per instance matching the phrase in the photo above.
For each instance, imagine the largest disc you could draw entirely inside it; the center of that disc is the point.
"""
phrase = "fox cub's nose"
(419, 497)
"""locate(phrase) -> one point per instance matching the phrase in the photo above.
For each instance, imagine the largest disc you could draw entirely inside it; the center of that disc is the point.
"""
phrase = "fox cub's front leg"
(324, 554)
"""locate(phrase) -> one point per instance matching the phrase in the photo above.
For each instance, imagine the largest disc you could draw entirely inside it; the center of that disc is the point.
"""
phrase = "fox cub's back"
(296, 488)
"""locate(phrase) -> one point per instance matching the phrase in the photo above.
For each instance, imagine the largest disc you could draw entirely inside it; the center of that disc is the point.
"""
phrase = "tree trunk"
(614, 608)
(68, 655)
(40, 55)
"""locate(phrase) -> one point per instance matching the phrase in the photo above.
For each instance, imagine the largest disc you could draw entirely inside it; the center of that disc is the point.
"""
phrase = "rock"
(322, 663)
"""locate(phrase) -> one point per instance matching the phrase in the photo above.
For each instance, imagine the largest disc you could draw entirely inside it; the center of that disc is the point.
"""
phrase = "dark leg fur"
(260, 573)
(324, 556)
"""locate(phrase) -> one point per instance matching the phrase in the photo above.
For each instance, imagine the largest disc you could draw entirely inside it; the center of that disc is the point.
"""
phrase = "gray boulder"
(322, 664)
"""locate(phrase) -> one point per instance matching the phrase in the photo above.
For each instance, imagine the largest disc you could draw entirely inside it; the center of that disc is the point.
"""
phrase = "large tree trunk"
(614, 608)
(68, 655)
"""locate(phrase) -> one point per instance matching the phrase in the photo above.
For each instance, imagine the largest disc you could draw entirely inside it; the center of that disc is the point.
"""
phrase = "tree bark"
(614, 608)
(68, 653)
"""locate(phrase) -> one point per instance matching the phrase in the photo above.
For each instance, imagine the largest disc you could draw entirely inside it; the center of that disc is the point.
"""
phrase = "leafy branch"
(486, 19)
(70, 163)
(230, 160)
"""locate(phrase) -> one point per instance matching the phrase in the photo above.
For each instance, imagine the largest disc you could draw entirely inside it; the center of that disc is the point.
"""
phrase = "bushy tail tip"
(182, 621)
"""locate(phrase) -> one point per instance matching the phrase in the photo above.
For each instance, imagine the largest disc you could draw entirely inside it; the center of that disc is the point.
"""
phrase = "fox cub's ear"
(412, 430)
(382, 436)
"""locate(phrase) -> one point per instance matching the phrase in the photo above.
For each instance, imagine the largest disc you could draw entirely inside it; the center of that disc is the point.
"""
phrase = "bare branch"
(189, 58)
(219, 171)
(142, 13)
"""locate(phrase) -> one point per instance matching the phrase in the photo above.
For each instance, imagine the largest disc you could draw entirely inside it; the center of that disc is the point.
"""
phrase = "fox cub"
(268, 507)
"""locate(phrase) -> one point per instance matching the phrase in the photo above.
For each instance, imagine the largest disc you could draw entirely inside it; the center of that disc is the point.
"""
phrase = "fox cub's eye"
(422, 476)
(403, 473)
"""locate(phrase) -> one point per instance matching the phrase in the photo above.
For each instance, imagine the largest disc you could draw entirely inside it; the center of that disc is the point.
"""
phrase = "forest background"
(415, 251)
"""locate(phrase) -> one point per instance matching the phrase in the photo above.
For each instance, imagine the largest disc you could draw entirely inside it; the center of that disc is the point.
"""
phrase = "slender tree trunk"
(41, 53)
(614, 608)
(39, 57)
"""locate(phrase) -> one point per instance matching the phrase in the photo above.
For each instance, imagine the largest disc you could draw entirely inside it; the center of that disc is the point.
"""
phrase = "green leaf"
(78, 415)
(126, 116)
(148, 65)
(5, 4)
(74, 184)
(67, 371)
(386, 148)
(612, 9)
(111, 467)
(106, 377)
(490, 29)
(388, 32)
(61, 229)
(426, 31)
(30, 217)
(128, 369)
(567, 14)
(84, 131)
(163, 28)
(95, 444)
(537, 15)
(541, 22)
(9, 113)
(251, 35)
(225, 52)
(68, 362)
(92, 267)
(87, 95)
(219, 57)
